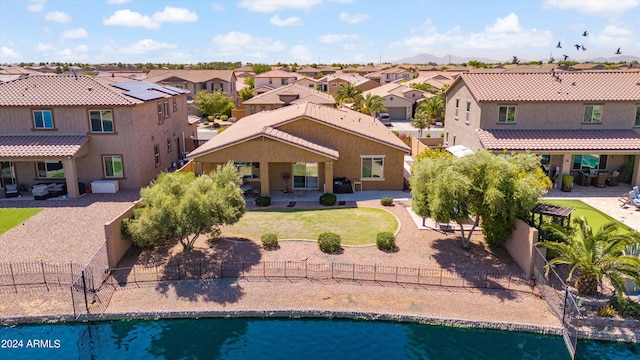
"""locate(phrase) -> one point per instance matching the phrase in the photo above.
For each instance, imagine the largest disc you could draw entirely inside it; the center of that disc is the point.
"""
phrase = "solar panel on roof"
(143, 94)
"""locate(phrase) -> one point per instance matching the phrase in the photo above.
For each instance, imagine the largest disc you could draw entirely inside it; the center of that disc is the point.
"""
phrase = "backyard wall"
(117, 246)
(520, 245)
(419, 145)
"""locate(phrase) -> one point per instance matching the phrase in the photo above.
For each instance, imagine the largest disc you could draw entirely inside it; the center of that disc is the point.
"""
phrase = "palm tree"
(433, 108)
(421, 120)
(371, 104)
(348, 90)
(595, 255)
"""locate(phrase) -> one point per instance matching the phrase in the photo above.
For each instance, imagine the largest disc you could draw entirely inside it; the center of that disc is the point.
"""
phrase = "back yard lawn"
(356, 226)
(595, 218)
(11, 217)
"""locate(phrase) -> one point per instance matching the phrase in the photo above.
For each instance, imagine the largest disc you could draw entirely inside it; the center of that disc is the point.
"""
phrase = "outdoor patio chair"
(11, 190)
(636, 191)
(600, 180)
(633, 199)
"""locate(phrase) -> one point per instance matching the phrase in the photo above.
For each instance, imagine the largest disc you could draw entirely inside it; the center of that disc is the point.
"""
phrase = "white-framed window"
(372, 167)
(42, 119)
(175, 105)
(468, 114)
(217, 86)
(507, 114)
(156, 155)
(592, 113)
(637, 120)
(101, 121)
(284, 81)
(270, 81)
(160, 113)
(113, 166)
(50, 169)
(455, 115)
(248, 170)
(165, 109)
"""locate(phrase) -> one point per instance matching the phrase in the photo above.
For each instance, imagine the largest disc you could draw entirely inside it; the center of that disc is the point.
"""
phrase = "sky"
(312, 31)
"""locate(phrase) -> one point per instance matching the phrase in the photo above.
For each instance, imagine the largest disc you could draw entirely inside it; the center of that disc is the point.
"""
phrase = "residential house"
(436, 79)
(197, 80)
(273, 79)
(333, 83)
(285, 96)
(399, 99)
(310, 72)
(306, 81)
(313, 144)
(578, 121)
(81, 129)
(390, 75)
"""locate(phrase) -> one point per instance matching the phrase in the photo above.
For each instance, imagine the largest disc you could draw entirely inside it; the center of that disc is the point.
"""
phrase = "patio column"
(565, 169)
(328, 176)
(264, 178)
(636, 171)
(71, 174)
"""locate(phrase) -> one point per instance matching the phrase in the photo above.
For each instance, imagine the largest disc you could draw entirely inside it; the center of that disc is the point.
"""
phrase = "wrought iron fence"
(86, 294)
(17, 276)
(201, 270)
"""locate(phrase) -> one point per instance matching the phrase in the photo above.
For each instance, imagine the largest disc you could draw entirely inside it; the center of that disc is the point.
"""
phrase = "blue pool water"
(254, 338)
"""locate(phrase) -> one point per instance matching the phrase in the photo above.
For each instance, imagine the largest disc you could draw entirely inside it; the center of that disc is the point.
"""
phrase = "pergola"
(556, 212)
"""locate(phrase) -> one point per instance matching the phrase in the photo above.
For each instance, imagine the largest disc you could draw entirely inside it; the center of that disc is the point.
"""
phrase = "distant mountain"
(452, 59)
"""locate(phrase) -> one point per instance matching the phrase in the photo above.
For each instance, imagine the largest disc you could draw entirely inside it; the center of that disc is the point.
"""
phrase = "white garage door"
(397, 113)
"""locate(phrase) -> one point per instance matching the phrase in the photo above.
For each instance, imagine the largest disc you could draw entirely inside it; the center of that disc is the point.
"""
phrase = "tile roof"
(303, 92)
(262, 123)
(275, 74)
(559, 140)
(41, 145)
(393, 88)
(195, 76)
(43, 90)
(574, 86)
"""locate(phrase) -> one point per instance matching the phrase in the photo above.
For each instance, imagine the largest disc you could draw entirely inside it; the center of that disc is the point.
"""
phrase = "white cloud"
(217, 7)
(342, 1)
(58, 16)
(78, 33)
(175, 15)
(79, 53)
(300, 53)
(290, 21)
(507, 24)
(6, 52)
(170, 14)
(594, 7)
(278, 5)
(613, 36)
(145, 46)
(81, 48)
(117, 2)
(41, 47)
(239, 44)
(36, 5)
(335, 38)
(352, 18)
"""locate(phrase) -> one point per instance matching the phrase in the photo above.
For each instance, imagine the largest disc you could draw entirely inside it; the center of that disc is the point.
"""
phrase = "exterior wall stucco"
(459, 131)
(520, 245)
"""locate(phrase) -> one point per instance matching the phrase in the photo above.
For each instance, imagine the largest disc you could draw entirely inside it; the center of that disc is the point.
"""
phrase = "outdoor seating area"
(11, 190)
(598, 178)
(632, 198)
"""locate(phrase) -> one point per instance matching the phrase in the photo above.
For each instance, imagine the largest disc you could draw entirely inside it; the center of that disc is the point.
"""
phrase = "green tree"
(371, 104)
(425, 87)
(183, 206)
(348, 91)
(483, 187)
(260, 68)
(421, 121)
(246, 93)
(595, 255)
(250, 81)
(212, 103)
(433, 108)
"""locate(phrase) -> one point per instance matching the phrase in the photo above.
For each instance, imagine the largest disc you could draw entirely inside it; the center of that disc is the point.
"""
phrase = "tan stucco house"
(72, 130)
(332, 83)
(313, 143)
(285, 96)
(578, 121)
(197, 80)
(399, 99)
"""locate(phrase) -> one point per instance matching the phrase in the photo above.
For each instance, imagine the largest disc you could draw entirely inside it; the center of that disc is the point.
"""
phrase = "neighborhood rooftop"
(559, 140)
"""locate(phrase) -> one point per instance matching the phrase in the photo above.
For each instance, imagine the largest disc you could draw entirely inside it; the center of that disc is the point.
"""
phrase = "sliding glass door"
(305, 176)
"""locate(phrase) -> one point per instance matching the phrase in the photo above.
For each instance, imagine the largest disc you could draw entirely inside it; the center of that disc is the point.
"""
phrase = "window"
(42, 119)
(248, 170)
(589, 161)
(372, 167)
(160, 114)
(507, 114)
(175, 105)
(334, 85)
(284, 81)
(113, 166)
(592, 113)
(457, 107)
(50, 169)
(156, 154)
(637, 121)
(168, 145)
(468, 111)
(101, 121)
(165, 109)
(270, 81)
(216, 87)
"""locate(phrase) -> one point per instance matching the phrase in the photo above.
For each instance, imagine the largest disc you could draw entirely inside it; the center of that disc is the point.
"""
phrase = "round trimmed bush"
(205, 123)
(263, 201)
(224, 118)
(329, 242)
(270, 241)
(216, 125)
(386, 201)
(328, 199)
(385, 241)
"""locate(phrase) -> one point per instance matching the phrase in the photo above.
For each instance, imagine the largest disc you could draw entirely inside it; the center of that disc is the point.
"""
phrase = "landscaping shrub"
(386, 241)
(441, 134)
(224, 118)
(263, 201)
(329, 242)
(328, 199)
(205, 123)
(396, 133)
(216, 125)
(210, 117)
(222, 129)
(626, 308)
(386, 201)
(270, 241)
(606, 311)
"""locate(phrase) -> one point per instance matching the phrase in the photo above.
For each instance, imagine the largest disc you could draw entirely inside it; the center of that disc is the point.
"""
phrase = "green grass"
(356, 226)
(12, 217)
(595, 218)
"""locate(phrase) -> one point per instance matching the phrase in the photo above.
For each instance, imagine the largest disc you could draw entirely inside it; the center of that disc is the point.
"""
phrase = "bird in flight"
(577, 46)
(618, 52)
(565, 57)
(585, 33)
(559, 46)
(583, 48)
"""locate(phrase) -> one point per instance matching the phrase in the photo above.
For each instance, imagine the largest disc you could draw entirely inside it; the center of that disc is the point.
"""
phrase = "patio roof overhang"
(600, 140)
(37, 147)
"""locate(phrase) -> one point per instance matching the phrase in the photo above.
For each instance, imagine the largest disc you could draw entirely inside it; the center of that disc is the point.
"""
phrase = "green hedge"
(386, 241)
(263, 201)
(328, 199)
(386, 201)
(270, 241)
(329, 242)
